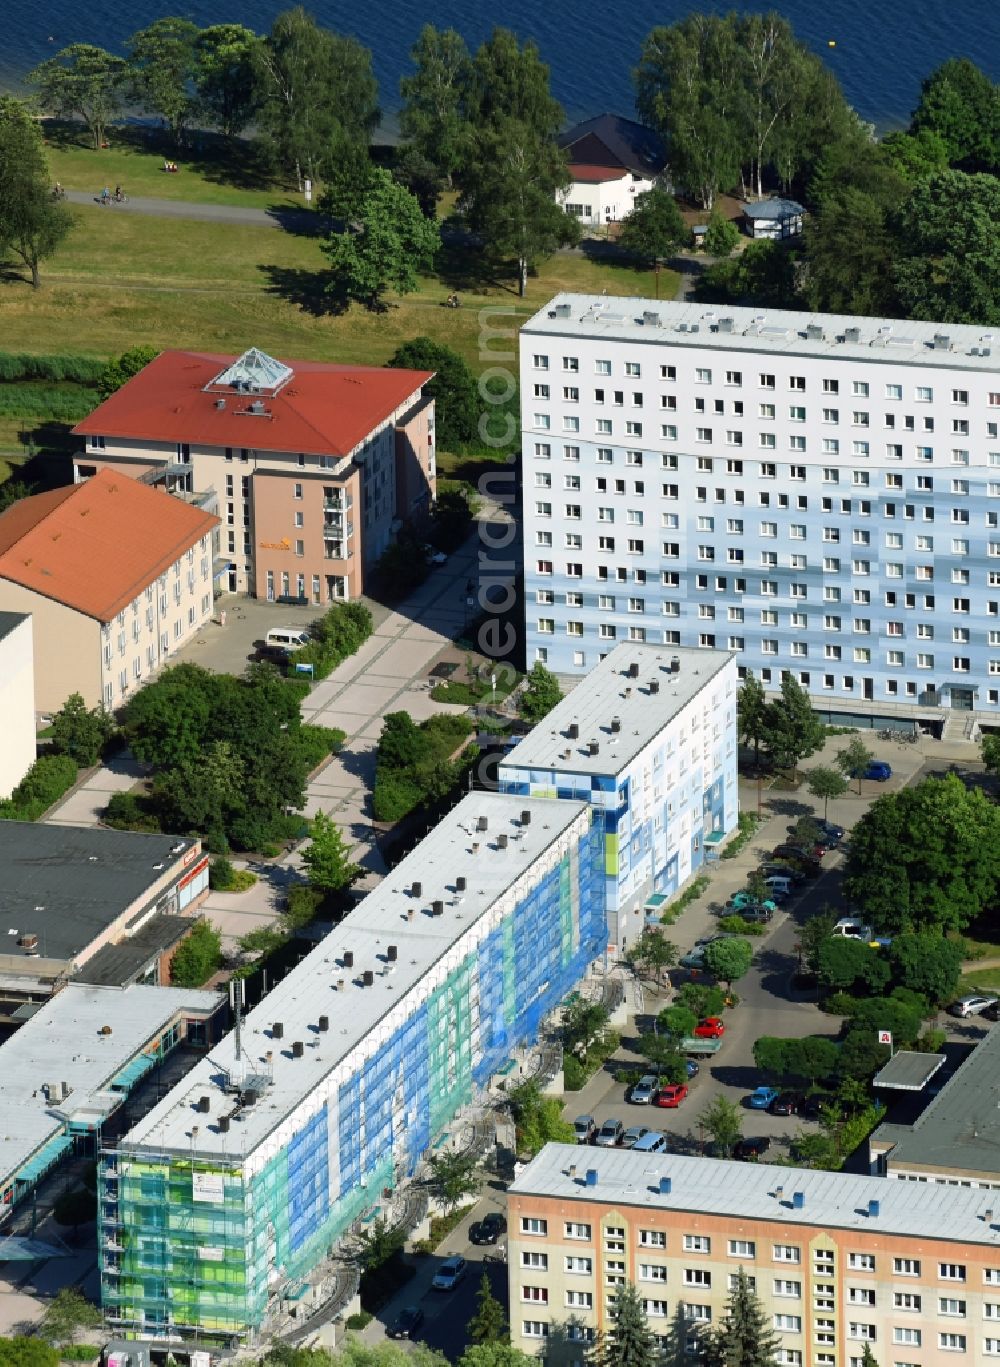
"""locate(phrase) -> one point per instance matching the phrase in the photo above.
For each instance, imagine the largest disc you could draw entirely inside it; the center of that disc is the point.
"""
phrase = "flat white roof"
(943, 345)
(62, 1043)
(608, 693)
(391, 915)
(750, 1191)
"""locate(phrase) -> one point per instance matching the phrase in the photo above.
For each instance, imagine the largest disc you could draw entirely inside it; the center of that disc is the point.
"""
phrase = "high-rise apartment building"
(819, 494)
(836, 1260)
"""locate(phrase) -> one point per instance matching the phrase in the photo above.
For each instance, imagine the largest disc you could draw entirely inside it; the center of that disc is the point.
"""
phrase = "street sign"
(304, 669)
(885, 1037)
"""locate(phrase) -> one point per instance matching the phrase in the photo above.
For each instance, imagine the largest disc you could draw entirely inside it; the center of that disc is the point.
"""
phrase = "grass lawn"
(209, 172)
(121, 279)
(979, 980)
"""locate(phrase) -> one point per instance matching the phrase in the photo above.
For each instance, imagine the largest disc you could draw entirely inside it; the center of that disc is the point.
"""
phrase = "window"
(906, 1300)
(948, 1305)
(951, 1272)
(783, 1287)
(535, 1293)
(652, 1272)
(952, 1343)
(911, 1337)
(787, 1253)
(535, 1329)
(573, 1230)
(789, 1324)
(703, 376)
(856, 1330)
(697, 1243)
(653, 1238)
(697, 1276)
(580, 1300)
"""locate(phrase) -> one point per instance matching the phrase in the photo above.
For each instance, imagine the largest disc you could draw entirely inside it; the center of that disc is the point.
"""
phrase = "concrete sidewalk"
(292, 217)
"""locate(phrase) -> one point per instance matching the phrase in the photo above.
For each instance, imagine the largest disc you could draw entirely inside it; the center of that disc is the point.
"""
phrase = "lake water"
(883, 47)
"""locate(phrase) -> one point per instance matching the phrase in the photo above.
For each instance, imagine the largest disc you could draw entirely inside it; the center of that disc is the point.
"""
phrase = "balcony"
(342, 504)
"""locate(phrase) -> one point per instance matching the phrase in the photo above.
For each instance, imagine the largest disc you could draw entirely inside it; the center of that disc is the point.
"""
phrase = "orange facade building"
(314, 467)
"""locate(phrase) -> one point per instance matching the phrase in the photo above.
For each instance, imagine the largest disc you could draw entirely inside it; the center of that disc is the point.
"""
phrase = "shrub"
(130, 812)
(317, 743)
(301, 905)
(197, 956)
(684, 899)
(45, 782)
(737, 925)
(55, 368)
(359, 1320)
(574, 1073)
(220, 873)
(335, 636)
(79, 1352)
(748, 822)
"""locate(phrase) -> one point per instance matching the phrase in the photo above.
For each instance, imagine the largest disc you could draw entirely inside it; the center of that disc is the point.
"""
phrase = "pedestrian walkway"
(290, 217)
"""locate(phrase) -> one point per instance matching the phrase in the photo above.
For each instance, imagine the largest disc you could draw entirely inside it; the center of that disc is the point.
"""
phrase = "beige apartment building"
(837, 1260)
(116, 576)
(315, 466)
(17, 700)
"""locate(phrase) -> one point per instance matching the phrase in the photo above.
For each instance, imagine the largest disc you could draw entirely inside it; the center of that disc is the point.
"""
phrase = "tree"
(432, 117)
(653, 953)
(848, 965)
(327, 857)
(861, 1055)
(743, 1338)
(961, 105)
(826, 783)
(990, 745)
(538, 1119)
(926, 963)
(204, 794)
(312, 83)
(792, 730)
(421, 177)
(453, 1175)
(541, 693)
(815, 931)
(770, 1054)
(226, 77)
(751, 713)
(868, 1358)
(916, 155)
(75, 1207)
(629, 1341)
(12, 491)
(80, 733)
(69, 1310)
(197, 956)
(512, 166)
(378, 1243)
(654, 228)
(704, 999)
(32, 224)
(723, 1121)
(82, 82)
(454, 389)
(390, 245)
(948, 261)
(927, 857)
(676, 1022)
(664, 1056)
(853, 759)
(808, 1059)
(728, 960)
(489, 1323)
(162, 67)
(756, 885)
(121, 369)
(722, 235)
(495, 1355)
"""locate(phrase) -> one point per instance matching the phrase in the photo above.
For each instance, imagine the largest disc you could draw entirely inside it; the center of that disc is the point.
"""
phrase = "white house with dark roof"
(611, 160)
(773, 218)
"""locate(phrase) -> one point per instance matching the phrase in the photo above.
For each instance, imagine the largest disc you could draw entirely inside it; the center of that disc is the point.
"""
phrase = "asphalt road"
(289, 216)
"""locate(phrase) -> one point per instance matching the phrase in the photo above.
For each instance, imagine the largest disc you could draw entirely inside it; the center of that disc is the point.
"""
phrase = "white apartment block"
(819, 494)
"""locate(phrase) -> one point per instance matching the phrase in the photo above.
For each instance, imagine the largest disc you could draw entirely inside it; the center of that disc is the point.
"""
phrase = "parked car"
(832, 834)
(876, 769)
(488, 1229)
(586, 1129)
(788, 1103)
(642, 1092)
(780, 886)
(970, 1006)
(695, 957)
(449, 1274)
(792, 872)
(991, 1013)
(691, 1066)
(709, 1028)
(761, 1097)
(611, 1133)
(407, 1322)
(852, 928)
(750, 1150)
(747, 899)
(811, 855)
(671, 1095)
(434, 556)
(812, 1107)
(653, 1141)
(759, 913)
(633, 1134)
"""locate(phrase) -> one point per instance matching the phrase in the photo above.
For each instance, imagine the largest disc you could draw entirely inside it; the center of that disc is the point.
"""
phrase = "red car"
(671, 1095)
(710, 1028)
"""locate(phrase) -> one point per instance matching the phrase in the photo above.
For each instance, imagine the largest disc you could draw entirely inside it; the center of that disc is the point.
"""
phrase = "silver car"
(970, 1006)
(642, 1092)
(611, 1134)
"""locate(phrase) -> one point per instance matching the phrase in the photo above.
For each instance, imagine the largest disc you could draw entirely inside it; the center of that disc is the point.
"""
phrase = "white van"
(852, 928)
(286, 639)
(653, 1142)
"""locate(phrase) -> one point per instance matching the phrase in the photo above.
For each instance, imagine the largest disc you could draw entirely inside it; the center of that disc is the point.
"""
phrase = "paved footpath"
(287, 216)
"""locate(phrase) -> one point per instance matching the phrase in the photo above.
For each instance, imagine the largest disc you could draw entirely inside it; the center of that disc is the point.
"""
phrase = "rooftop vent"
(460, 883)
(437, 908)
(942, 342)
(651, 320)
(391, 953)
(204, 1104)
(814, 332)
(616, 725)
(367, 977)
(654, 685)
(666, 1183)
(417, 889)
(323, 1024)
(29, 943)
(633, 670)
(852, 334)
(779, 1193)
(482, 824)
(873, 1209)
(725, 324)
(220, 403)
(591, 1177)
(257, 408)
(223, 1123)
(562, 311)
(501, 842)
(675, 664)
(525, 817)
(573, 731)
(594, 748)
(348, 958)
(278, 1030)
(298, 1049)
(798, 1200)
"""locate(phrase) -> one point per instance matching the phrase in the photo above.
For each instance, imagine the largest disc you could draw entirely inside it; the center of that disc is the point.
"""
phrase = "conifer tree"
(629, 1342)
(744, 1337)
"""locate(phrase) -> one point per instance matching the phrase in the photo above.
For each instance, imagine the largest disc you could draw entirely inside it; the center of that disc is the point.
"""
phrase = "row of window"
(605, 455)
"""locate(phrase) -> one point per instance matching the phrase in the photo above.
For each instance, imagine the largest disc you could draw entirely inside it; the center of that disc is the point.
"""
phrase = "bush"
(197, 956)
(79, 1352)
(414, 763)
(220, 873)
(748, 822)
(318, 743)
(359, 1320)
(301, 905)
(737, 925)
(45, 783)
(684, 899)
(54, 368)
(130, 812)
(341, 631)
(574, 1073)
(49, 402)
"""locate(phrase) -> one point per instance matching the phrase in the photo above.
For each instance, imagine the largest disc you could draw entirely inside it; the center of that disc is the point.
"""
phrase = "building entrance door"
(869, 688)
(963, 699)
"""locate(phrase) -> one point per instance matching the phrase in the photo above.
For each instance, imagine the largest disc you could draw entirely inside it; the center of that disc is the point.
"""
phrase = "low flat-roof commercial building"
(317, 465)
(69, 1068)
(81, 902)
(837, 1260)
(956, 1139)
(116, 577)
(649, 738)
(235, 1186)
(17, 699)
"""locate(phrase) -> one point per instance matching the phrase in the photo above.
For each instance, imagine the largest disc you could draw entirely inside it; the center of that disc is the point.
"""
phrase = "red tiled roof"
(322, 410)
(95, 546)
(580, 171)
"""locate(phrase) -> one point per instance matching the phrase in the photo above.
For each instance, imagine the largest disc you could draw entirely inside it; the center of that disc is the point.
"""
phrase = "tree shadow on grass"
(311, 291)
(299, 220)
(461, 264)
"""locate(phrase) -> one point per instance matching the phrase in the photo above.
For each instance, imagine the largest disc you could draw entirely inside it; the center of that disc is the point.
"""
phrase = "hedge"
(45, 782)
(57, 368)
(45, 401)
